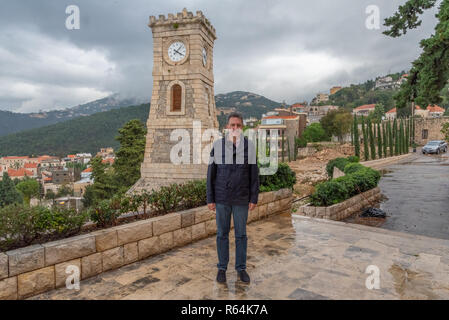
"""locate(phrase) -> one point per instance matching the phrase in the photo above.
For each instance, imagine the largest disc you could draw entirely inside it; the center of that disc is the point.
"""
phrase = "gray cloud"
(286, 50)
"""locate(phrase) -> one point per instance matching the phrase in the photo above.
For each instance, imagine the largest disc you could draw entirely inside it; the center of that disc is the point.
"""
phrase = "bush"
(353, 159)
(358, 179)
(105, 212)
(194, 194)
(300, 142)
(166, 199)
(340, 163)
(283, 178)
(21, 225)
(352, 167)
(328, 193)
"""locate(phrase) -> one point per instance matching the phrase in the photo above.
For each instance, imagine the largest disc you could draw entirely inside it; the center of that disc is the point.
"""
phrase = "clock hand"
(178, 52)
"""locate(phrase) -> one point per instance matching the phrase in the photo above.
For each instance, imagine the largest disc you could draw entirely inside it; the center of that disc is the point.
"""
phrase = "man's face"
(235, 126)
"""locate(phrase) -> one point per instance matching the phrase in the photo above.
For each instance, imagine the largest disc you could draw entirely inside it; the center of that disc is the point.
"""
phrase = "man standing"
(232, 188)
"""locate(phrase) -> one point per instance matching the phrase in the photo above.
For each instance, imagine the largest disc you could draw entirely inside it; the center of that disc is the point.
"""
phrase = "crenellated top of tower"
(183, 17)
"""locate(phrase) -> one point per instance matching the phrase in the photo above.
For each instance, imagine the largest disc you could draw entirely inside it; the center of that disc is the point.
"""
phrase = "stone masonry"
(196, 79)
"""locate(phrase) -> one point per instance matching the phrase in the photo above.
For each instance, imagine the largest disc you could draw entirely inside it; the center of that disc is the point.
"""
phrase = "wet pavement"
(417, 189)
(289, 257)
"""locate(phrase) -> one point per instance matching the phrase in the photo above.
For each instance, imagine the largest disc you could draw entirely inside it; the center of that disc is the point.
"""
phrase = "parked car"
(435, 146)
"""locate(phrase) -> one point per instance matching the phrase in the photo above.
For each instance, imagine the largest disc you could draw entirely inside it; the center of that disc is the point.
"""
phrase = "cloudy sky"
(282, 49)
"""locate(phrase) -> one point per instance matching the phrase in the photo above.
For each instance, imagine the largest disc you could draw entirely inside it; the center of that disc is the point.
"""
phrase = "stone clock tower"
(183, 92)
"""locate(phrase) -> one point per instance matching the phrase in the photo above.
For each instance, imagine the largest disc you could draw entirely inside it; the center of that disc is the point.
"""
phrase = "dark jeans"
(223, 216)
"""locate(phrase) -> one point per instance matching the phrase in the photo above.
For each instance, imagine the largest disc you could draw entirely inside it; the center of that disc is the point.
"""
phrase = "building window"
(425, 133)
(176, 92)
(176, 98)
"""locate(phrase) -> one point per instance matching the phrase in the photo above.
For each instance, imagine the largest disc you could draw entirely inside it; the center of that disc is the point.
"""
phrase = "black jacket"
(232, 174)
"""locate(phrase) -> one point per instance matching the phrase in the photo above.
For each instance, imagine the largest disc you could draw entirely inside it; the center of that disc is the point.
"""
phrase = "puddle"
(411, 284)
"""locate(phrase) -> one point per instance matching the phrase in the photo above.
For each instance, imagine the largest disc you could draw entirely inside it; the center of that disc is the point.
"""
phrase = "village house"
(432, 111)
(364, 110)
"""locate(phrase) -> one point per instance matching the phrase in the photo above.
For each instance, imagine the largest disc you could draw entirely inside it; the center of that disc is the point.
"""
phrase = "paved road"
(418, 195)
(288, 258)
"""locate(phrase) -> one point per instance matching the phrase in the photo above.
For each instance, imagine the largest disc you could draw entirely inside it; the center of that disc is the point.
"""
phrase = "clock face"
(177, 51)
(204, 56)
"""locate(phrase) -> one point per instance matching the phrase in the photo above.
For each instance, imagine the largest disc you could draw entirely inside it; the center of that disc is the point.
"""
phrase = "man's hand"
(252, 206)
(211, 206)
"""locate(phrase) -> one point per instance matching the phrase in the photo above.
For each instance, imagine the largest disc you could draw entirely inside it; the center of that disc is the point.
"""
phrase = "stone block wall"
(38, 268)
(343, 209)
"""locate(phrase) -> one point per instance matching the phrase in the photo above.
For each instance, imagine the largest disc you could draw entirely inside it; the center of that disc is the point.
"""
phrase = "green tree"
(430, 71)
(104, 186)
(130, 155)
(401, 137)
(379, 141)
(337, 123)
(445, 131)
(365, 141)
(371, 140)
(390, 139)
(384, 139)
(50, 195)
(8, 192)
(29, 188)
(315, 133)
(63, 191)
(356, 137)
(396, 137)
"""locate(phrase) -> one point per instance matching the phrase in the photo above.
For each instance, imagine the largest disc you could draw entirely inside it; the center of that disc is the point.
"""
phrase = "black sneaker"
(221, 276)
(243, 275)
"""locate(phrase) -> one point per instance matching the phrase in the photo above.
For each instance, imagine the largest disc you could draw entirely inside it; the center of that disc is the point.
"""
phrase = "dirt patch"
(312, 169)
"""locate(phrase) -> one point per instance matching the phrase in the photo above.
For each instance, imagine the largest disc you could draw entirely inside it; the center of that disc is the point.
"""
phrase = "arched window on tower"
(176, 97)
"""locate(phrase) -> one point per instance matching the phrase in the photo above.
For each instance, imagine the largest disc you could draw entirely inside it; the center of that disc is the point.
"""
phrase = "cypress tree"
(288, 149)
(407, 135)
(396, 137)
(390, 138)
(384, 140)
(379, 141)
(365, 140)
(401, 137)
(356, 137)
(371, 140)
(282, 145)
(352, 135)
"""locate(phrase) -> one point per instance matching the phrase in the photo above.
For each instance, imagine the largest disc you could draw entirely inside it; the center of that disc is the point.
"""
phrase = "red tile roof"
(88, 170)
(434, 108)
(391, 111)
(71, 156)
(366, 107)
(108, 160)
(19, 173)
(14, 158)
(30, 165)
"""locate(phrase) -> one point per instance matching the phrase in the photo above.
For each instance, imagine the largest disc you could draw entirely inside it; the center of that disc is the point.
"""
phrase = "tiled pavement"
(289, 257)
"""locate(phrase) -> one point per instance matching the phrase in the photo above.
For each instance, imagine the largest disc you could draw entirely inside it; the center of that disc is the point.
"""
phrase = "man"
(232, 188)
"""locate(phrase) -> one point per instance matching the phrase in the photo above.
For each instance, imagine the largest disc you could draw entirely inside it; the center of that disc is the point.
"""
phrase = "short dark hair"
(235, 115)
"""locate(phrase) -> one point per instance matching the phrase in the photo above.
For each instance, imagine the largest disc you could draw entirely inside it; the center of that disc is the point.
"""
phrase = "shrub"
(300, 142)
(283, 178)
(194, 194)
(328, 193)
(105, 213)
(352, 167)
(353, 159)
(358, 179)
(340, 163)
(21, 225)
(166, 199)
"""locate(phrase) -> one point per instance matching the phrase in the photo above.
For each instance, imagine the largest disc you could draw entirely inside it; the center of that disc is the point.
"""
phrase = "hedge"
(340, 163)
(358, 179)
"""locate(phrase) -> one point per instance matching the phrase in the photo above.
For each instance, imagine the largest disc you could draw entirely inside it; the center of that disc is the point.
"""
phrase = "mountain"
(89, 133)
(11, 122)
(83, 134)
(247, 103)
